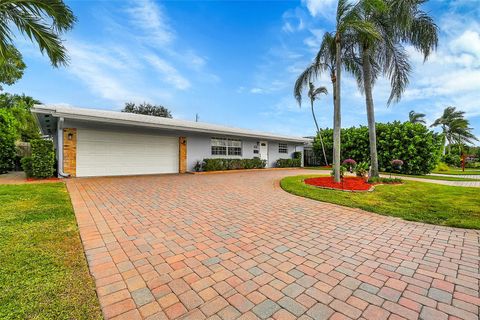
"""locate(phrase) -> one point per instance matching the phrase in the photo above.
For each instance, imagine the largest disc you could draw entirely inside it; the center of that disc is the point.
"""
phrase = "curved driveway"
(227, 246)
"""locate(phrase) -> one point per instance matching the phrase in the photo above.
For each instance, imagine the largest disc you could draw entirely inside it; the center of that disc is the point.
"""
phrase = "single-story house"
(91, 142)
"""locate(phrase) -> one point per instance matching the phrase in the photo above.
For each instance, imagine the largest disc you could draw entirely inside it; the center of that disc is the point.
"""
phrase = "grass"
(415, 201)
(458, 171)
(43, 271)
(453, 178)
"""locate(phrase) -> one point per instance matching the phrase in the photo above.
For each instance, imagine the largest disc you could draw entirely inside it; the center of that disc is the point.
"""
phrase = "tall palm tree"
(332, 57)
(313, 93)
(42, 21)
(399, 22)
(414, 117)
(455, 127)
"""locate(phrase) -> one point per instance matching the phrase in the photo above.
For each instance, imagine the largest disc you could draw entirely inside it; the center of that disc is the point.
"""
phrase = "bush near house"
(43, 158)
(419, 147)
(220, 164)
(288, 163)
(8, 135)
(27, 166)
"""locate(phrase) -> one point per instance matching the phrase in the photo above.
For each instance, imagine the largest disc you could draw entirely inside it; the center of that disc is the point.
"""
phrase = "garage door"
(111, 153)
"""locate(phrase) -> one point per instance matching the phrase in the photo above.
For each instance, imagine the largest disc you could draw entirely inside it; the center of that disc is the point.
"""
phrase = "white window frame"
(282, 148)
(232, 147)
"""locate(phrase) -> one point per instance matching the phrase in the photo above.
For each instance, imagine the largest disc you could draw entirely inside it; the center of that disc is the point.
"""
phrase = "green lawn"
(457, 171)
(43, 271)
(452, 178)
(416, 201)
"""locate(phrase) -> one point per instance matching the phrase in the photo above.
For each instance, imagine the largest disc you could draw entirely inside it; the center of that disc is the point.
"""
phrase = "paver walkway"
(227, 246)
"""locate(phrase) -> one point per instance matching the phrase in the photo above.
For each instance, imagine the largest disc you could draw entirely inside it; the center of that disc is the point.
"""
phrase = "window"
(282, 148)
(223, 147)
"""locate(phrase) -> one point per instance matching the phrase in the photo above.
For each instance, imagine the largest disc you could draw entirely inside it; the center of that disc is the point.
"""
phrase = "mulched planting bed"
(347, 183)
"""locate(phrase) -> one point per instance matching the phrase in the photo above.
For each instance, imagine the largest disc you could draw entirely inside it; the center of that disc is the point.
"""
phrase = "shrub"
(297, 155)
(288, 163)
(453, 160)
(220, 164)
(362, 169)
(415, 144)
(443, 167)
(385, 180)
(43, 158)
(27, 166)
(8, 135)
(342, 171)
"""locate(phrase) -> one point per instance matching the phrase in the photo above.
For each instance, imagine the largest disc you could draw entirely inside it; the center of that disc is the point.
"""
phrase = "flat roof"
(139, 120)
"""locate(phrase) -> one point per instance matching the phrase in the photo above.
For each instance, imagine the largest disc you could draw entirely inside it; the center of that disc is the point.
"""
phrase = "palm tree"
(455, 127)
(399, 22)
(312, 94)
(42, 21)
(414, 117)
(331, 57)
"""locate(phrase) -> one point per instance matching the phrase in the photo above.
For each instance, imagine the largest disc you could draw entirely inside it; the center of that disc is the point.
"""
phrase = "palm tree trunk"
(367, 84)
(337, 121)
(319, 133)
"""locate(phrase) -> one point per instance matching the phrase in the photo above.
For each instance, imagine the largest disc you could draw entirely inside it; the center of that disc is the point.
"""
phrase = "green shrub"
(220, 164)
(343, 169)
(441, 166)
(43, 158)
(288, 163)
(8, 135)
(453, 160)
(415, 144)
(361, 169)
(297, 155)
(27, 166)
(385, 180)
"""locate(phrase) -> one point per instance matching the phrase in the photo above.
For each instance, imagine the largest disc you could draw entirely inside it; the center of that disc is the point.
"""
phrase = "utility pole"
(196, 117)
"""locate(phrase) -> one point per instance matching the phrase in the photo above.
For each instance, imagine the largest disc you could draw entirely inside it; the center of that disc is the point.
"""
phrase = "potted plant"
(396, 165)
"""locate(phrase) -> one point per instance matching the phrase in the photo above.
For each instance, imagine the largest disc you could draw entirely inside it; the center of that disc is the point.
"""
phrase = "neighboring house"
(91, 142)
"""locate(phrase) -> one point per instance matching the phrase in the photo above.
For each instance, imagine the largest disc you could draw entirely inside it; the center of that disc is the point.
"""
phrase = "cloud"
(325, 8)
(169, 73)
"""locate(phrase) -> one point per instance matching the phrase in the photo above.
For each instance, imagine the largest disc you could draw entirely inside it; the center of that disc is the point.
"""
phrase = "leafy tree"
(455, 127)
(419, 147)
(12, 69)
(414, 117)
(43, 22)
(147, 109)
(19, 107)
(333, 56)
(399, 22)
(8, 136)
(313, 93)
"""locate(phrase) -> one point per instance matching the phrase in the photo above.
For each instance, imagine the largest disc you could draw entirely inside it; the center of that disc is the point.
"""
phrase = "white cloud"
(168, 72)
(325, 8)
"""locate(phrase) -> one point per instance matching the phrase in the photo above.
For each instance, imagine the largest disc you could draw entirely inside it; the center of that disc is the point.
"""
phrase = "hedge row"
(218, 164)
(288, 163)
(42, 162)
(418, 147)
(8, 135)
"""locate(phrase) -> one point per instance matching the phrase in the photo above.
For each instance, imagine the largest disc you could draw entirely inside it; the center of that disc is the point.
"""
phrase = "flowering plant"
(350, 164)
(397, 163)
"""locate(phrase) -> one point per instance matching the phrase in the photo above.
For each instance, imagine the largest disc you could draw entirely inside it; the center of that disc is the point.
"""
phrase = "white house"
(91, 142)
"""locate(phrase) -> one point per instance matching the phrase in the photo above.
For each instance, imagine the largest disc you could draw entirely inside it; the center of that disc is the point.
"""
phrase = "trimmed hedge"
(8, 135)
(288, 163)
(419, 147)
(27, 166)
(43, 158)
(220, 164)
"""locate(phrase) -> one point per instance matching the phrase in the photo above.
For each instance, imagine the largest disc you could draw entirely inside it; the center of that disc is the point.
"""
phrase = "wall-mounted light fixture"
(70, 136)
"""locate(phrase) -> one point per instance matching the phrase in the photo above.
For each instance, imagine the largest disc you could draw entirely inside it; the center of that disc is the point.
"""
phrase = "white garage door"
(112, 153)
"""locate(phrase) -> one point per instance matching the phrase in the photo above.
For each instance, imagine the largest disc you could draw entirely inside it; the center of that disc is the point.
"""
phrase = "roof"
(131, 119)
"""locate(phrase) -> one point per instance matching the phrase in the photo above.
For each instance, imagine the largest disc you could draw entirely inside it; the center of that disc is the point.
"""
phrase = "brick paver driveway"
(235, 245)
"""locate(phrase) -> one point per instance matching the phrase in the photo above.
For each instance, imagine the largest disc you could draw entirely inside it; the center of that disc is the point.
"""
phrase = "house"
(91, 142)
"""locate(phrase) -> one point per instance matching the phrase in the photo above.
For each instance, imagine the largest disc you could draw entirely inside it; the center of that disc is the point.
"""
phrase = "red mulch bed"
(347, 183)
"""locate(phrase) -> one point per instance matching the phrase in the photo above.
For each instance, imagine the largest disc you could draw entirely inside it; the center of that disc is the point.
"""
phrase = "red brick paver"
(229, 246)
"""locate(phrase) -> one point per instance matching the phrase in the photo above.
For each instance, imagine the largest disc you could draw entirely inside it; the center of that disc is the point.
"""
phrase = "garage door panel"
(104, 153)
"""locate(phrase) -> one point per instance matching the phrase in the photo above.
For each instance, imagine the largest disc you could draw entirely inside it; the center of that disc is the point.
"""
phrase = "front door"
(264, 150)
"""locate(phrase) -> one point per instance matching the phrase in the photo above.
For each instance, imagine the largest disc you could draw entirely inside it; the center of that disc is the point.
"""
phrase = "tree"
(19, 107)
(43, 22)
(414, 117)
(147, 109)
(398, 22)
(312, 95)
(333, 56)
(12, 69)
(455, 127)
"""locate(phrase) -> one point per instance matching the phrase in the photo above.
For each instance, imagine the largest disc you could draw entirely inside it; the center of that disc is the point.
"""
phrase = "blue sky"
(235, 62)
